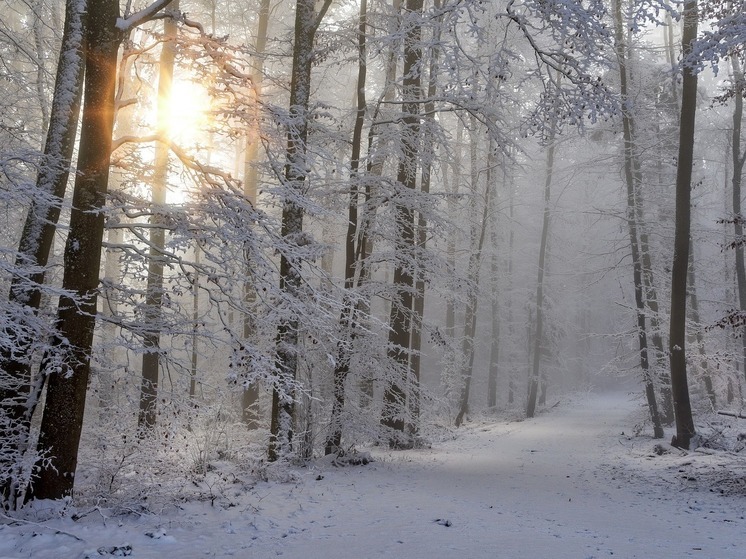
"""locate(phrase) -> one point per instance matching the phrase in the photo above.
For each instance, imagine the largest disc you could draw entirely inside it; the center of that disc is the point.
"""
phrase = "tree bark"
(677, 337)
(394, 413)
(472, 298)
(737, 159)
(630, 167)
(348, 318)
(307, 21)
(698, 338)
(427, 166)
(494, 284)
(67, 365)
(19, 393)
(154, 290)
(538, 336)
(250, 395)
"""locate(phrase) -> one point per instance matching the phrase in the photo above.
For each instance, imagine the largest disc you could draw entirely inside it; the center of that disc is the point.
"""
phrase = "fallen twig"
(732, 414)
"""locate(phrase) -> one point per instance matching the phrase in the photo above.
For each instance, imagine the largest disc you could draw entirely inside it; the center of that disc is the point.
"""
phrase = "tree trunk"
(677, 337)
(348, 318)
(154, 290)
(19, 395)
(494, 284)
(427, 165)
(509, 290)
(738, 159)
(250, 395)
(698, 337)
(472, 298)
(394, 415)
(630, 168)
(538, 336)
(67, 363)
(450, 366)
(307, 21)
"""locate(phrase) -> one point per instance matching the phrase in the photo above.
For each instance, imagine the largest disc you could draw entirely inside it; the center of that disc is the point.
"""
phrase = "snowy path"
(549, 488)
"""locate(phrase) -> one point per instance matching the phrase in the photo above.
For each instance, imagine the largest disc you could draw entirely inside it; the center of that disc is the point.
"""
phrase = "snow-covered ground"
(571, 483)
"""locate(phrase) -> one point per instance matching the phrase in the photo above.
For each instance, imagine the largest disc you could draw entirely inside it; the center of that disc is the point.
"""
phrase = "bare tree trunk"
(494, 284)
(154, 290)
(307, 21)
(393, 415)
(539, 332)
(630, 168)
(511, 242)
(472, 299)
(698, 337)
(450, 366)
(19, 393)
(738, 158)
(427, 165)
(67, 364)
(348, 318)
(250, 395)
(677, 337)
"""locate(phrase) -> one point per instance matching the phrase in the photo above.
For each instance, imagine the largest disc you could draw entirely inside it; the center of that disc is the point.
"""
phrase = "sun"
(187, 114)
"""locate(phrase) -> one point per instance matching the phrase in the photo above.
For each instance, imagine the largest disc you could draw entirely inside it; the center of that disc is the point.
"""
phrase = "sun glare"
(188, 114)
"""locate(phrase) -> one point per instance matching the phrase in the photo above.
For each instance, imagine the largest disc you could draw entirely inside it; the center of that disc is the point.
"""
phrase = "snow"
(571, 483)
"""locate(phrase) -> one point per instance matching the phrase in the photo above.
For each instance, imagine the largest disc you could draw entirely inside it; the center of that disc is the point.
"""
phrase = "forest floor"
(574, 482)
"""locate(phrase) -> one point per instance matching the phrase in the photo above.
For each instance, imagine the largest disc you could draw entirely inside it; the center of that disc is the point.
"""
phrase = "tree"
(738, 158)
(477, 237)
(677, 337)
(19, 391)
(393, 415)
(538, 335)
(353, 239)
(632, 178)
(307, 21)
(67, 362)
(154, 290)
(250, 396)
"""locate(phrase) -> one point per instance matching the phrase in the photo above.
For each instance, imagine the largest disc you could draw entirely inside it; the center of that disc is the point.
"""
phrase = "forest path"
(567, 484)
(551, 487)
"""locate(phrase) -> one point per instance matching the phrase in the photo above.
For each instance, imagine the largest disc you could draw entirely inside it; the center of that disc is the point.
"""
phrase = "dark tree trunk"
(698, 338)
(632, 214)
(738, 158)
(495, 318)
(394, 413)
(472, 299)
(677, 338)
(67, 364)
(427, 165)
(19, 394)
(307, 21)
(533, 387)
(348, 319)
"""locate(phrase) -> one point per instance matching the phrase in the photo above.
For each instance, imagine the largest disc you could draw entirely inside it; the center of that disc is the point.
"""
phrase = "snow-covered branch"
(131, 21)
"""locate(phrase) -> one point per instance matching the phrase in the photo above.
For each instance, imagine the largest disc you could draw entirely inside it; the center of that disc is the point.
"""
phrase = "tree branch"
(138, 18)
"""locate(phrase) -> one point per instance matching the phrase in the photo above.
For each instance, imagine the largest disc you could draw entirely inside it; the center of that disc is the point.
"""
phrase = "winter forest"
(244, 240)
